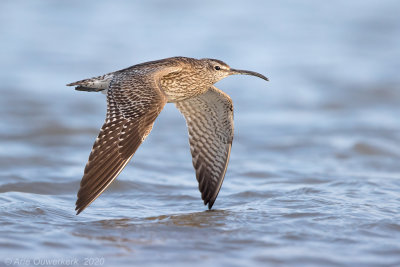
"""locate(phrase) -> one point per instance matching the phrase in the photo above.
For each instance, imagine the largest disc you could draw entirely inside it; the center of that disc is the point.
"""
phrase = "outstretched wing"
(209, 118)
(134, 101)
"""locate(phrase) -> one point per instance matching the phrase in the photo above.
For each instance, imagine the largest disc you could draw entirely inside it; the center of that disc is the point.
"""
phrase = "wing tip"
(210, 202)
(82, 203)
(79, 207)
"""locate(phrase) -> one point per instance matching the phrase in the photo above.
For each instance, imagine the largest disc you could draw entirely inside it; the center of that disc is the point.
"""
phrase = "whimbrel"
(135, 97)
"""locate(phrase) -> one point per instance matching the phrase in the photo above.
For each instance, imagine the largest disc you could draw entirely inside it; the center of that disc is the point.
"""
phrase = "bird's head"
(220, 70)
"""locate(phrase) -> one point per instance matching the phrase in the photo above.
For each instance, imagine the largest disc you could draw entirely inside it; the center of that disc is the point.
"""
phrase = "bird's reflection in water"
(196, 219)
(128, 233)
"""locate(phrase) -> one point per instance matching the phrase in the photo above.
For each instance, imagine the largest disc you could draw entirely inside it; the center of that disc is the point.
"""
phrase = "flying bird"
(136, 96)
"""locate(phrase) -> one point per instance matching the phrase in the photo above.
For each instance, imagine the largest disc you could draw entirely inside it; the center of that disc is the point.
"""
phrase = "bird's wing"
(134, 101)
(209, 118)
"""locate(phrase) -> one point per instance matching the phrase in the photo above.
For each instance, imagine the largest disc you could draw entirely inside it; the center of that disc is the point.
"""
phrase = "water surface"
(314, 174)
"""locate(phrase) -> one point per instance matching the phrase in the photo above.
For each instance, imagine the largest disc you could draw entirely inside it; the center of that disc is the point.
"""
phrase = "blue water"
(314, 174)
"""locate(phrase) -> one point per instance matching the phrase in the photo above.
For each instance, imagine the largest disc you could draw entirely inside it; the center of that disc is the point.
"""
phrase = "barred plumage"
(135, 97)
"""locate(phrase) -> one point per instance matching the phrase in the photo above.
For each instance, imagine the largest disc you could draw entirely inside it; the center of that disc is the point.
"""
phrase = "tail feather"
(95, 84)
(88, 89)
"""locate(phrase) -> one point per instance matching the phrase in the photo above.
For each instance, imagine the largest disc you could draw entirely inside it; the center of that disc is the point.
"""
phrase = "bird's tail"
(96, 84)
(87, 89)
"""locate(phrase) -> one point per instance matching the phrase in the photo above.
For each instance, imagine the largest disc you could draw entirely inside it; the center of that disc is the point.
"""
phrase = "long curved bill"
(248, 72)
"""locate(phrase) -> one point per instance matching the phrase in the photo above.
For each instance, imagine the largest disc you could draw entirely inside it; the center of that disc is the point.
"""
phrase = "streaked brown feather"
(209, 118)
(134, 101)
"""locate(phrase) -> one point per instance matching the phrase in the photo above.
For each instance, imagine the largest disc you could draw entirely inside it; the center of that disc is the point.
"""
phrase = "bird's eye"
(217, 67)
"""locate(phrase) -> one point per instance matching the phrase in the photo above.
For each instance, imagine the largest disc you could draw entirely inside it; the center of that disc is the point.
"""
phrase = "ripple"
(372, 150)
(248, 195)
(303, 215)
(43, 188)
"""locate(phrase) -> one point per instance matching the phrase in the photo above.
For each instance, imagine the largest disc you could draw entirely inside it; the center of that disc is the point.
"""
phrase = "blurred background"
(314, 171)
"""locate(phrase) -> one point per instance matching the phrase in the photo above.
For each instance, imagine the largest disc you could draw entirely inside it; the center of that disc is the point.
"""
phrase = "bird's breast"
(178, 87)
